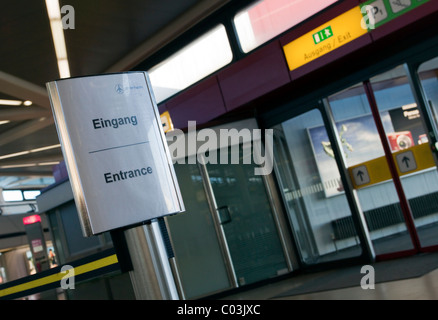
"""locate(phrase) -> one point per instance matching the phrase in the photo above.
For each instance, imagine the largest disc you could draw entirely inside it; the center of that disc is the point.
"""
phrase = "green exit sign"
(322, 35)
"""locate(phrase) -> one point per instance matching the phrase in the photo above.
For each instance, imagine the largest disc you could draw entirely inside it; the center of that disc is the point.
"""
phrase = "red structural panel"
(254, 76)
(201, 103)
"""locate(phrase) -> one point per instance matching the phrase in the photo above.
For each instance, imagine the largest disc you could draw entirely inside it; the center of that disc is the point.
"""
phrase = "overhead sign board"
(324, 39)
(116, 153)
(345, 28)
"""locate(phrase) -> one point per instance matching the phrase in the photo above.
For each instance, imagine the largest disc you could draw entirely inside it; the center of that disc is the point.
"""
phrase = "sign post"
(117, 157)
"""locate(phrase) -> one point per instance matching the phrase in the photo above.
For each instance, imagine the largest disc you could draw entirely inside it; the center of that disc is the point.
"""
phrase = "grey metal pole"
(151, 277)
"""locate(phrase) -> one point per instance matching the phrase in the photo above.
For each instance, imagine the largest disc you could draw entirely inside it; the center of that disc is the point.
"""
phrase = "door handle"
(224, 214)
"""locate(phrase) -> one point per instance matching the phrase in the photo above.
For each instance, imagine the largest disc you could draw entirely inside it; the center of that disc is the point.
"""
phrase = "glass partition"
(389, 210)
(409, 141)
(362, 146)
(312, 191)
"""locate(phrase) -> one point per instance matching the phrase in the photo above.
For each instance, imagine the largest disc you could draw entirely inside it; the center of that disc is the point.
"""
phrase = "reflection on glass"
(310, 181)
(197, 250)
(396, 101)
(379, 202)
(394, 95)
(403, 127)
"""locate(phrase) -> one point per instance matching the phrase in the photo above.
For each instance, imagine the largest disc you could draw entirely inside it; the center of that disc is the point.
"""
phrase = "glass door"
(428, 78)
(246, 215)
(198, 250)
(320, 213)
(386, 147)
(232, 233)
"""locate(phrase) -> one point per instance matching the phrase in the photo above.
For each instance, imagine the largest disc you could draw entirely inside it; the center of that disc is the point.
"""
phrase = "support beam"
(40, 172)
(24, 113)
(32, 160)
(24, 90)
(24, 130)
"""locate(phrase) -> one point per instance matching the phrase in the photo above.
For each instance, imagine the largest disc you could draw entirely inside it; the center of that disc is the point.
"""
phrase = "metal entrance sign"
(116, 153)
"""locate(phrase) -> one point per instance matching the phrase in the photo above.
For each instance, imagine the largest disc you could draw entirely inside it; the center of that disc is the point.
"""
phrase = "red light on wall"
(31, 219)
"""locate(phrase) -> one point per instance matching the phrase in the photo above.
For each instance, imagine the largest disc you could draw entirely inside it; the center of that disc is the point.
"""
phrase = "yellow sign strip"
(324, 39)
(59, 276)
(378, 169)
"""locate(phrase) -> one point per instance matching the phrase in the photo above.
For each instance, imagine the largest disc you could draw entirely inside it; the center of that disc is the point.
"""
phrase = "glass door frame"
(404, 204)
(426, 115)
(412, 57)
(351, 195)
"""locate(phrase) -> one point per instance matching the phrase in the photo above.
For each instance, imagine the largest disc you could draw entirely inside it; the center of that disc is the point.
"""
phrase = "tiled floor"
(422, 288)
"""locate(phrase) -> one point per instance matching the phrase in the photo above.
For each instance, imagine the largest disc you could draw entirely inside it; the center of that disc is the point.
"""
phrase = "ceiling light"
(5, 102)
(52, 163)
(4, 122)
(18, 166)
(21, 153)
(12, 155)
(53, 9)
(45, 148)
(63, 67)
(11, 102)
(54, 14)
(24, 165)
